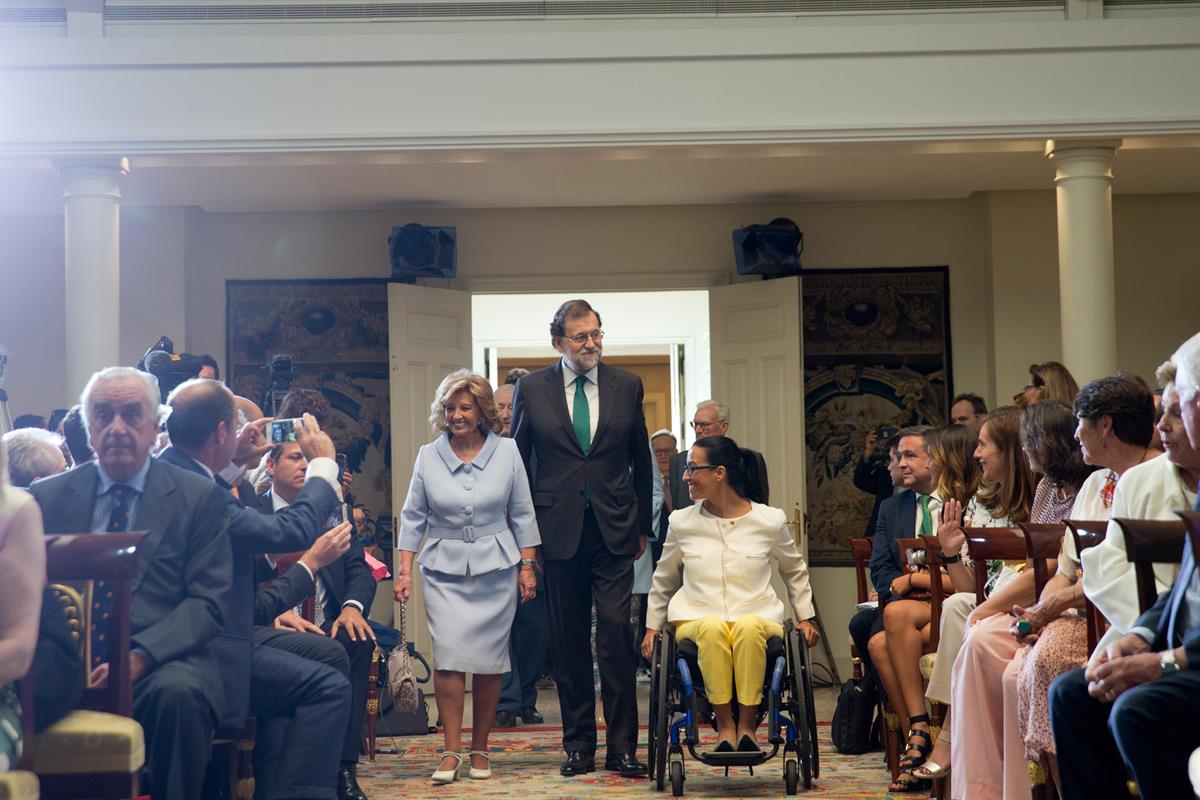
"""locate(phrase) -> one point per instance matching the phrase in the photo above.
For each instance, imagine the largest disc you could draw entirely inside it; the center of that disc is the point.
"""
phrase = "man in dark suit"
(184, 572)
(897, 519)
(582, 434)
(280, 689)
(710, 419)
(344, 590)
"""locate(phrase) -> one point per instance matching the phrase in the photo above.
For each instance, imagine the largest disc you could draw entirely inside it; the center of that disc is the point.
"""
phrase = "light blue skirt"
(470, 617)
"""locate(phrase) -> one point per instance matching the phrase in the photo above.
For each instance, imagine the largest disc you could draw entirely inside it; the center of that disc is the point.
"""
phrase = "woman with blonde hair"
(1049, 381)
(469, 501)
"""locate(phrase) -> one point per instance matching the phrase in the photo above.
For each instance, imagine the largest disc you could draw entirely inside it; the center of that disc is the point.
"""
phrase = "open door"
(429, 336)
(757, 370)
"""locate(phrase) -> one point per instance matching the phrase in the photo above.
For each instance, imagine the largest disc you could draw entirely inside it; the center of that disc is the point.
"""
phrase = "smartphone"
(283, 431)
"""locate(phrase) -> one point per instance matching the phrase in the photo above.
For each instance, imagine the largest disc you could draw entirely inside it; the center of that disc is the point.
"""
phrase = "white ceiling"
(601, 176)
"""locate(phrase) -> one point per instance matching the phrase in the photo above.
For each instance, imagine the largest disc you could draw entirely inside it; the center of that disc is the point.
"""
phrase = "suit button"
(468, 487)
(469, 510)
(467, 468)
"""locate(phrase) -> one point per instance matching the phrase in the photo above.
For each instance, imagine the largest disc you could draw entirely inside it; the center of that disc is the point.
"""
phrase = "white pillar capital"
(92, 177)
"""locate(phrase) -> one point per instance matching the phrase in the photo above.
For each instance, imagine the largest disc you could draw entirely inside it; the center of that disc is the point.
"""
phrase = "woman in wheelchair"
(713, 583)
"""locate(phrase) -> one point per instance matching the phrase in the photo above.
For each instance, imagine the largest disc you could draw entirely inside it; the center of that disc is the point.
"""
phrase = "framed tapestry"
(336, 332)
(876, 357)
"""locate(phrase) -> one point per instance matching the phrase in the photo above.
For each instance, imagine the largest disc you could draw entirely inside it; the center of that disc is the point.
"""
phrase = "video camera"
(278, 383)
(169, 367)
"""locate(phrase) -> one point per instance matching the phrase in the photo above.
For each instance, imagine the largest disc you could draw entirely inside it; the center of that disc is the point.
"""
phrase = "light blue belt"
(469, 533)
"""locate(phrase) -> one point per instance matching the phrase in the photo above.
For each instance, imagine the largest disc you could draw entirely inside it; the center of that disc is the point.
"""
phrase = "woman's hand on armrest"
(809, 630)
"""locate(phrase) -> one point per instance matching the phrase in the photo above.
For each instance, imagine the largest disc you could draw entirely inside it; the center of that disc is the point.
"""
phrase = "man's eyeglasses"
(595, 336)
(690, 469)
(705, 426)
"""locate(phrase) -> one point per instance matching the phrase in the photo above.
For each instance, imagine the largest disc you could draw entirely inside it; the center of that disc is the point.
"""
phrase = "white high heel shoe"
(448, 775)
(479, 774)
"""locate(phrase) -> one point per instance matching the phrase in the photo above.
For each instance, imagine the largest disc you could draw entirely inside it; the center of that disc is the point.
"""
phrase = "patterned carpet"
(526, 766)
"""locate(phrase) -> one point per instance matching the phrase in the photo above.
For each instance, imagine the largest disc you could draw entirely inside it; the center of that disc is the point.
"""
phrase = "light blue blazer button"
(469, 510)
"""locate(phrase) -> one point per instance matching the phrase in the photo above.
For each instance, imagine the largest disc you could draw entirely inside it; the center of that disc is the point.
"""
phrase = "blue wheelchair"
(678, 704)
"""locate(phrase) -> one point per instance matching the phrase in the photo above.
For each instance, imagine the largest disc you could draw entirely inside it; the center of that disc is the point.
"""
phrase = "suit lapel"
(607, 386)
(908, 520)
(557, 395)
(80, 500)
(1178, 592)
(154, 513)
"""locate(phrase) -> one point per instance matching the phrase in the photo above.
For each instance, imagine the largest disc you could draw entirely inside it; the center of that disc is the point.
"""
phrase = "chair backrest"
(1149, 542)
(989, 544)
(1089, 533)
(861, 550)
(933, 559)
(110, 557)
(1042, 543)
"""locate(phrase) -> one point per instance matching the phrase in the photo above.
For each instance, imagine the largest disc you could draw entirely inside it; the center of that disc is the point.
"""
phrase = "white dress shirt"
(591, 390)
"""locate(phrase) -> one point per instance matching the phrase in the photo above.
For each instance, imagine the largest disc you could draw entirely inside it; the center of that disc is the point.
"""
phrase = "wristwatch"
(952, 559)
(1167, 663)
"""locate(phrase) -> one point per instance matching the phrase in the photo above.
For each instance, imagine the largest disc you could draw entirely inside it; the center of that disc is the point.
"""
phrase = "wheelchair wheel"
(791, 776)
(677, 779)
(660, 710)
(801, 706)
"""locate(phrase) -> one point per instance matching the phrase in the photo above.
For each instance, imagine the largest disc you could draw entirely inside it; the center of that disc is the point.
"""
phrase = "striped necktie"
(118, 522)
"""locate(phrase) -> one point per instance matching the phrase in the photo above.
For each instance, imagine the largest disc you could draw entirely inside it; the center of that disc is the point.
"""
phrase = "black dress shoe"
(748, 745)
(578, 763)
(530, 715)
(626, 765)
(347, 784)
(505, 719)
(723, 746)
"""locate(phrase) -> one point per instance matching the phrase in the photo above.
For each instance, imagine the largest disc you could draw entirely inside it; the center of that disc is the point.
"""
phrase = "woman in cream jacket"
(713, 583)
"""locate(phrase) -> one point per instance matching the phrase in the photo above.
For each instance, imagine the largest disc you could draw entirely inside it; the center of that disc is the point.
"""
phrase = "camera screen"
(283, 430)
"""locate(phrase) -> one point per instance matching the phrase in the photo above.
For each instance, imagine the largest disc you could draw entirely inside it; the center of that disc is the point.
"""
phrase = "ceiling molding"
(575, 282)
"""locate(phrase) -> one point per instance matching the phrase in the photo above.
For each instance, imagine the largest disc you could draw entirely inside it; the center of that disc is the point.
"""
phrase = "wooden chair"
(1149, 542)
(98, 752)
(1086, 534)
(368, 742)
(990, 544)
(860, 549)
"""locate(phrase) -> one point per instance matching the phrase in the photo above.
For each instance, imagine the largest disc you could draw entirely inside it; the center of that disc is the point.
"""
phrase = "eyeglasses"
(704, 426)
(691, 469)
(595, 336)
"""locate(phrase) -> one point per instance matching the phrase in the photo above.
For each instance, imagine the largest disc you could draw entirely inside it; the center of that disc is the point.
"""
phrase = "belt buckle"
(468, 534)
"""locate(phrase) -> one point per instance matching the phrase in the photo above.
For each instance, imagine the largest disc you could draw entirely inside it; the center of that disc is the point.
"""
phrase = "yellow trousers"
(731, 654)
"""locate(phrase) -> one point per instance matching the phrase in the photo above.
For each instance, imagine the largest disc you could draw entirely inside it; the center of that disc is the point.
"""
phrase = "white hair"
(1187, 369)
(722, 409)
(149, 384)
(663, 432)
(32, 453)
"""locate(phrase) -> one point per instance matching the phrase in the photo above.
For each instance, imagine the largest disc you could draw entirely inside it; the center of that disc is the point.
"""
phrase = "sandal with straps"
(923, 749)
(901, 786)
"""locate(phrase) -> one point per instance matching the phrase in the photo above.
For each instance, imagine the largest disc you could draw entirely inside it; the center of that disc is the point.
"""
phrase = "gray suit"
(180, 596)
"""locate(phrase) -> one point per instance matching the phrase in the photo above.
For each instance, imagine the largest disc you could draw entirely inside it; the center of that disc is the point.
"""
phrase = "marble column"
(92, 214)
(1087, 294)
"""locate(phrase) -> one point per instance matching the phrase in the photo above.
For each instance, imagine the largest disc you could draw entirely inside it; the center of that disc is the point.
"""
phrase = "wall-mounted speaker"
(770, 250)
(418, 251)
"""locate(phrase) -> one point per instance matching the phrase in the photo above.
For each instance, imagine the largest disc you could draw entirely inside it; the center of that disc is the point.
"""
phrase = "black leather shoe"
(577, 763)
(626, 765)
(530, 715)
(505, 719)
(347, 784)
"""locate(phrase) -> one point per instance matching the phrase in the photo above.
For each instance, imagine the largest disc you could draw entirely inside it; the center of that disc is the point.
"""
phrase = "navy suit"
(290, 696)
(1149, 731)
(896, 520)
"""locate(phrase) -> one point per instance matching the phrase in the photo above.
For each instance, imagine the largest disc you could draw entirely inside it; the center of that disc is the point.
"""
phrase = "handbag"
(851, 726)
(402, 682)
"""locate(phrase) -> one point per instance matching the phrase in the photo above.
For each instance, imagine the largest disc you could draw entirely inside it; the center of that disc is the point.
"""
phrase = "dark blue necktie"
(102, 594)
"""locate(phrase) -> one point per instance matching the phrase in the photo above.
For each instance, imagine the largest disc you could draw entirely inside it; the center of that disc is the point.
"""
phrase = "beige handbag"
(402, 683)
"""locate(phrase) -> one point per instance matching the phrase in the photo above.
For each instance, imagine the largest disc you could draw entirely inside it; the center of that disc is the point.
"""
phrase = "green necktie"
(581, 419)
(926, 517)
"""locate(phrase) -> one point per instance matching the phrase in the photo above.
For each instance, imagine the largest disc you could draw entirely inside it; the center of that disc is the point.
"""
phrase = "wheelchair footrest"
(734, 759)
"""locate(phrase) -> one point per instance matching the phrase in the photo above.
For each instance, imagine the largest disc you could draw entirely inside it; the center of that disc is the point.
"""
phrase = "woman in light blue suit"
(469, 501)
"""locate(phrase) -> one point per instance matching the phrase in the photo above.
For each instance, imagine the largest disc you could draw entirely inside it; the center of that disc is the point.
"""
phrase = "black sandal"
(923, 749)
(900, 786)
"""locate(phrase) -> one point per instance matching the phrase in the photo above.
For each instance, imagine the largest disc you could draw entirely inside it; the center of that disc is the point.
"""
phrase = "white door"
(757, 371)
(429, 336)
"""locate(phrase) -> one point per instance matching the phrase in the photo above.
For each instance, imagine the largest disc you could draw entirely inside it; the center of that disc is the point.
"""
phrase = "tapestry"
(336, 332)
(876, 357)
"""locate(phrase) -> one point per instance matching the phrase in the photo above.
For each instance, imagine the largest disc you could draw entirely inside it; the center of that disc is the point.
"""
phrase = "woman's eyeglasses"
(691, 469)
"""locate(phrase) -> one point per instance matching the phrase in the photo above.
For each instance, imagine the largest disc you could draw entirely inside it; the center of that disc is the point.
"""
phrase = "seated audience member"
(29, 421)
(54, 424)
(22, 576)
(1133, 711)
(343, 589)
(951, 475)
(1047, 438)
(876, 477)
(185, 568)
(33, 453)
(75, 435)
(291, 697)
(968, 409)
(208, 368)
(899, 518)
(513, 375)
(1049, 381)
(711, 419)
(731, 646)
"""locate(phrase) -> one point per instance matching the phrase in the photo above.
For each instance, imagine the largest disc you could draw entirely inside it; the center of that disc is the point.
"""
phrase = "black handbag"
(852, 718)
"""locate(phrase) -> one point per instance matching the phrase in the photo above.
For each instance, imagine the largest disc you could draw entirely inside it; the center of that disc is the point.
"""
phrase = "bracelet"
(952, 559)
(530, 562)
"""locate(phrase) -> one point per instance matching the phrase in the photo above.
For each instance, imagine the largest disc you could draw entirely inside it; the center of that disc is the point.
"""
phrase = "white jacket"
(722, 567)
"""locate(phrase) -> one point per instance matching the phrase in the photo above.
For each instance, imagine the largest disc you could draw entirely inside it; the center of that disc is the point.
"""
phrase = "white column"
(1087, 297)
(92, 213)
